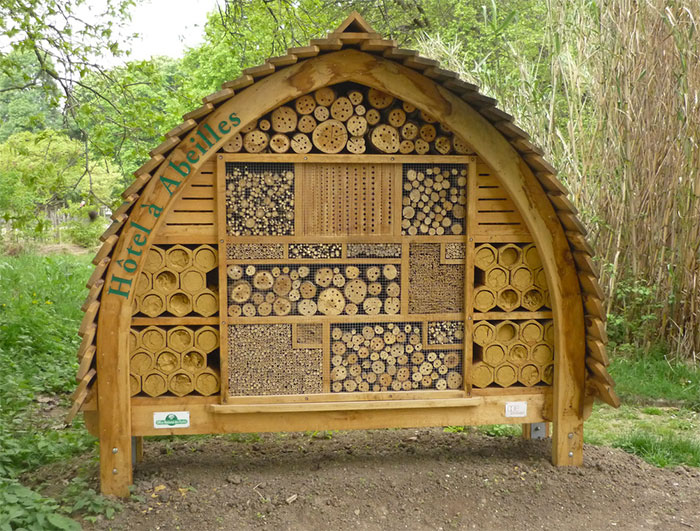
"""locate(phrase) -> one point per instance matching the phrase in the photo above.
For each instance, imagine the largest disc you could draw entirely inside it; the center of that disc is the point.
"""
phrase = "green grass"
(40, 300)
(662, 450)
(650, 377)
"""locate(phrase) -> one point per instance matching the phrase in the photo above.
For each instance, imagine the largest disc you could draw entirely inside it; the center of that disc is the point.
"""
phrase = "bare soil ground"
(396, 479)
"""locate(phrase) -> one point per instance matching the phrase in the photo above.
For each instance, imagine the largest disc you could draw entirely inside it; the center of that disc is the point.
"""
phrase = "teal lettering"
(154, 210)
(169, 182)
(179, 168)
(200, 135)
(119, 291)
(137, 226)
(212, 133)
(234, 119)
(139, 239)
(222, 124)
(130, 265)
(200, 147)
(135, 252)
(191, 156)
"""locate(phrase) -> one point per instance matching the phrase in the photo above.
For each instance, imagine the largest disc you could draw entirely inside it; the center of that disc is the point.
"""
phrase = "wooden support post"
(113, 398)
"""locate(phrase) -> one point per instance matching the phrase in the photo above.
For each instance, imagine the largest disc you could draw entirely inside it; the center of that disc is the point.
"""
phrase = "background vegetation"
(609, 90)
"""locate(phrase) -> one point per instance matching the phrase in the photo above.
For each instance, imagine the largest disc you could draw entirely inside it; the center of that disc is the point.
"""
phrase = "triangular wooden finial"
(355, 23)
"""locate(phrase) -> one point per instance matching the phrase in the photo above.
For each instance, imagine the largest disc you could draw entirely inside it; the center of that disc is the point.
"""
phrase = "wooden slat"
(596, 328)
(152, 164)
(87, 342)
(330, 44)
(495, 115)
(86, 363)
(539, 164)
(98, 273)
(590, 285)
(439, 74)
(262, 70)
(199, 112)
(561, 203)
(89, 317)
(478, 100)
(345, 406)
(420, 63)
(303, 52)
(605, 391)
(124, 207)
(578, 242)
(525, 146)
(283, 60)
(105, 249)
(182, 128)
(377, 45)
(572, 223)
(219, 96)
(113, 228)
(84, 383)
(165, 147)
(511, 131)
(93, 295)
(240, 82)
(599, 370)
(460, 86)
(184, 217)
(584, 262)
(399, 54)
(594, 307)
(550, 182)
(596, 350)
(498, 218)
(137, 185)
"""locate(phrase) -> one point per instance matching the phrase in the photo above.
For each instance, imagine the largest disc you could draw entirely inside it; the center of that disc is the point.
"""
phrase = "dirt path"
(399, 479)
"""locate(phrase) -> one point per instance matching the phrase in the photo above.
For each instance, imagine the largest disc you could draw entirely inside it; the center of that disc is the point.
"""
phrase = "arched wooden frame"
(263, 96)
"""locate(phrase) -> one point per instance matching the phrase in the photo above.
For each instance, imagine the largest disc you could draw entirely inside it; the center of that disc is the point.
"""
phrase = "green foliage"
(79, 497)
(636, 316)
(80, 229)
(662, 450)
(501, 430)
(22, 508)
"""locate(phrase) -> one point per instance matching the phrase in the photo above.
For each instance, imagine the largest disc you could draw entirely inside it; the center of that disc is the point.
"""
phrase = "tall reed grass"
(612, 97)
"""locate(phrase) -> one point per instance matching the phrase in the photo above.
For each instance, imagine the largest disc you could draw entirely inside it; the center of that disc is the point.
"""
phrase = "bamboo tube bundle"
(360, 110)
(542, 354)
(181, 383)
(141, 363)
(356, 97)
(264, 125)
(484, 333)
(152, 338)
(493, 354)
(485, 256)
(396, 117)
(234, 145)
(406, 147)
(482, 375)
(509, 256)
(506, 332)
(445, 332)
(531, 257)
(508, 299)
(521, 278)
(330, 136)
(280, 143)
(484, 299)
(205, 258)
(144, 283)
(165, 281)
(194, 360)
(155, 260)
(152, 304)
(505, 375)
(192, 280)
(496, 278)
(548, 374)
(306, 124)
(357, 125)
(180, 338)
(133, 340)
(409, 131)
(178, 258)
(167, 361)
(284, 119)
(518, 354)
(427, 132)
(154, 384)
(529, 375)
(179, 303)
(256, 141)
(134, 384)
(422, 147)
(373, 116)
(207, 382)
(531, 332)
(533, 299)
